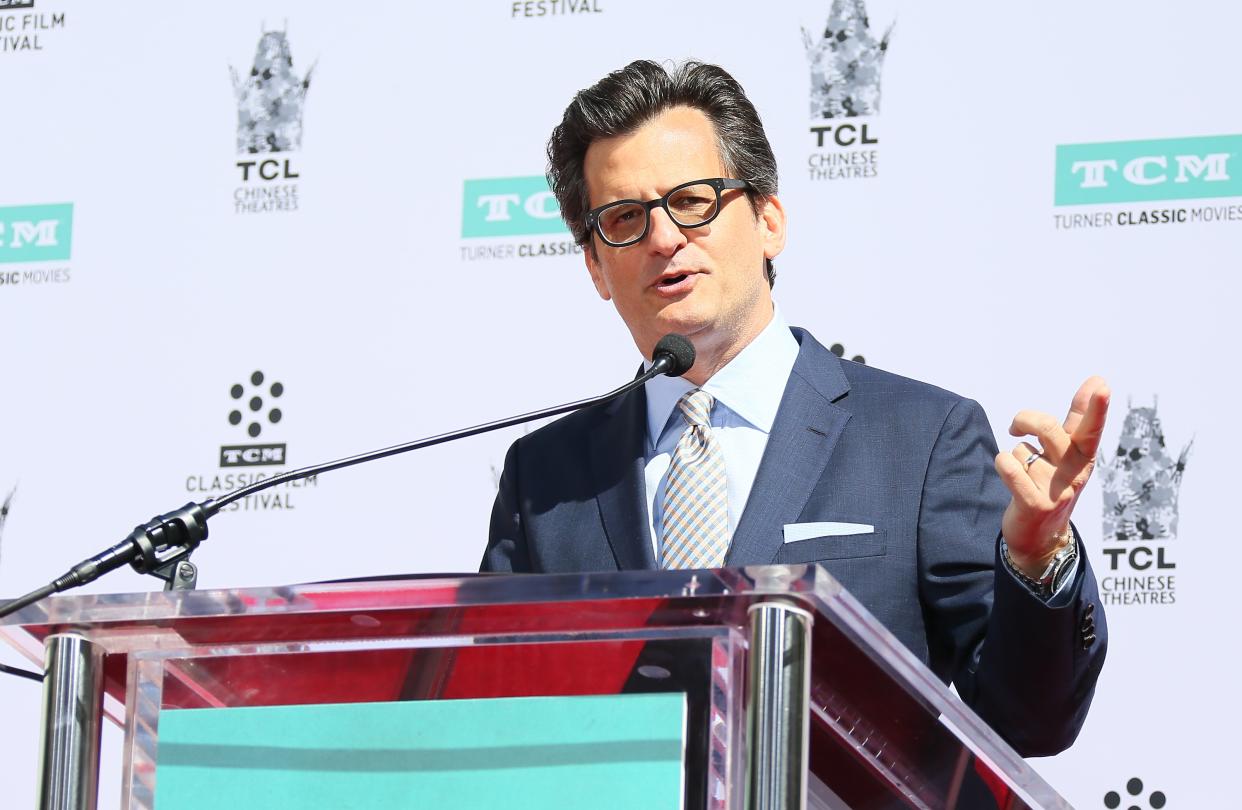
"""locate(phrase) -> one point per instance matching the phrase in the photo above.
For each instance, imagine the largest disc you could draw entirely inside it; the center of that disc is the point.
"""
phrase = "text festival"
(21, 33)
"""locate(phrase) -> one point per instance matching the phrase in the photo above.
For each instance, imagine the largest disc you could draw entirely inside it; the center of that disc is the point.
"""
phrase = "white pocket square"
(806, 531)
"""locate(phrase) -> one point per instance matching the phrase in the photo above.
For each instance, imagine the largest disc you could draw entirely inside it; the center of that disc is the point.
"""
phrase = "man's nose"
(664, 237)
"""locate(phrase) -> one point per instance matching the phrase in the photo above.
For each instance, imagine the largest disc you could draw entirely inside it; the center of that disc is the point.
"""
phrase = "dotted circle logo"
(839, 351)
(251, 406)
(1134, 788)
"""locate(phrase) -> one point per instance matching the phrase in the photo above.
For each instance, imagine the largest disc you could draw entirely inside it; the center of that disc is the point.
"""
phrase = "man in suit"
(770, 449)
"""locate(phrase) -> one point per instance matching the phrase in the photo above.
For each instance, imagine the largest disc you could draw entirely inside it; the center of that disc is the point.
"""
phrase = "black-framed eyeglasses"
(690, 205)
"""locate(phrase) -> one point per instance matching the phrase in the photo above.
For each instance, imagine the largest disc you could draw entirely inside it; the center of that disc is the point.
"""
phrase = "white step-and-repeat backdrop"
(1002, 200)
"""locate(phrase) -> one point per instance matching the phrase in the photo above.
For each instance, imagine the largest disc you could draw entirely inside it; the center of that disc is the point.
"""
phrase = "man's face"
(706, 283)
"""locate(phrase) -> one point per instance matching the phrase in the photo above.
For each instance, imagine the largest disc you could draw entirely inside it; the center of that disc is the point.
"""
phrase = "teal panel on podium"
(602, 752)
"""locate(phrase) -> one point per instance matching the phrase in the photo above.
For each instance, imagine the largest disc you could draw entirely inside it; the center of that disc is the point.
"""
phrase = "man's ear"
(772, 225)
(597, 275)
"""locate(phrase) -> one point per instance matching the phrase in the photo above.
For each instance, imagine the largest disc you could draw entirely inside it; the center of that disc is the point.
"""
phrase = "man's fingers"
(1023, 452)
(1047, 488)
(1013, 473)
(1045, 427)
(1088, 412)
(1081, 430)
(1081, 402)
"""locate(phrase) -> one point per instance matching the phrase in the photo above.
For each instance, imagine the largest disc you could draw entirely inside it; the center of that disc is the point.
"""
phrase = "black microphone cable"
(21, 673)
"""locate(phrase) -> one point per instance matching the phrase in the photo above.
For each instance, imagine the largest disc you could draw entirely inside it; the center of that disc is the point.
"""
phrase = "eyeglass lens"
(689, 206)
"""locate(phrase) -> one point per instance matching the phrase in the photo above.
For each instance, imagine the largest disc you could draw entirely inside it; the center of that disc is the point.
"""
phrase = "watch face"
(1063, 565)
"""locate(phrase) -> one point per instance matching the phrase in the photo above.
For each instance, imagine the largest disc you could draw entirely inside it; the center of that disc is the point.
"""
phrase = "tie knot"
(696, 407)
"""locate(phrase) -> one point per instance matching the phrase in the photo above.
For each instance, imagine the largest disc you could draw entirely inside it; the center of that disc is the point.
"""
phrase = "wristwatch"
(1051, 579)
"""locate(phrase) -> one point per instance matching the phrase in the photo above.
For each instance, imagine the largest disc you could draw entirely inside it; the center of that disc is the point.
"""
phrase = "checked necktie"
(696, 502)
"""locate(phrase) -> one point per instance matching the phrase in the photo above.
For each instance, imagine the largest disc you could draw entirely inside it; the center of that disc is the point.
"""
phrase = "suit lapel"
(803, 437)
(618, 467)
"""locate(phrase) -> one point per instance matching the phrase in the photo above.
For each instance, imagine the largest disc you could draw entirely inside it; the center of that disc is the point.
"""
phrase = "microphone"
(674, 355)
(160, 545)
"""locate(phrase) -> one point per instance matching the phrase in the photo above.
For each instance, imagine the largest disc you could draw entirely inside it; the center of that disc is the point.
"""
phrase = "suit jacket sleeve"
(1027, 668)
(507, 551)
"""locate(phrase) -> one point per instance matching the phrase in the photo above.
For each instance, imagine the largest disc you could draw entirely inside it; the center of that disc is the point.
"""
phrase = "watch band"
(1048, 582)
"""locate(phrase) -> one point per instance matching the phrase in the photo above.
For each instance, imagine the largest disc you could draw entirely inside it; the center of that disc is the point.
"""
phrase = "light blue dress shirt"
(748, 392)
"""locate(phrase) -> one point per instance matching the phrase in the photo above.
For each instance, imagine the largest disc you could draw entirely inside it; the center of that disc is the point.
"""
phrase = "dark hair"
(626, 99)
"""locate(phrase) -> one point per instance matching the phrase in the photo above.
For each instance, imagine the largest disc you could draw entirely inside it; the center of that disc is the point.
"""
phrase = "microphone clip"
(165, 543)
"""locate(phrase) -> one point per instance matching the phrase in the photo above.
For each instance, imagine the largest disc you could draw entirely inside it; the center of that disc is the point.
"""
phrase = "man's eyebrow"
(641, 198)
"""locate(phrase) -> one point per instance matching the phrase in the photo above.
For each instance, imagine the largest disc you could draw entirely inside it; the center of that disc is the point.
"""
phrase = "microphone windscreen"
(679, 349)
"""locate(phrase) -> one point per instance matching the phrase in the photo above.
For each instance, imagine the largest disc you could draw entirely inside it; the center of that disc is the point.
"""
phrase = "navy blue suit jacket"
(850, 444)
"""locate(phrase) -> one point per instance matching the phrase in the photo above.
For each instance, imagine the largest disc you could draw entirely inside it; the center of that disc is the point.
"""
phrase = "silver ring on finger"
(1031, 459)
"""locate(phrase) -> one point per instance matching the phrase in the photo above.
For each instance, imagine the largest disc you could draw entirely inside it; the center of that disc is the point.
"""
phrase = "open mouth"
(671, 280)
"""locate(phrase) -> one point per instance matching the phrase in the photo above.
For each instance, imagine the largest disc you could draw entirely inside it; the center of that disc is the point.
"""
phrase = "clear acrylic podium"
(783, 691)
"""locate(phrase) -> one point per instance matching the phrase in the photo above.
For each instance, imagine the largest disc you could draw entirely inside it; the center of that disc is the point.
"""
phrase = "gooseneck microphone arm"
(157, 546)
(662, 365)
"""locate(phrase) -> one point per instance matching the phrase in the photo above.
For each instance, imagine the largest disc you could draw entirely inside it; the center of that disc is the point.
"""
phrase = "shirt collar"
(751, 384)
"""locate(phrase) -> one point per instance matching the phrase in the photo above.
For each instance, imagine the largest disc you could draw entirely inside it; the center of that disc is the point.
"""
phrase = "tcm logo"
(10, 5)
(255, 404)
(1143, 171)
(36, 233)
(252, 455)
(509, 206)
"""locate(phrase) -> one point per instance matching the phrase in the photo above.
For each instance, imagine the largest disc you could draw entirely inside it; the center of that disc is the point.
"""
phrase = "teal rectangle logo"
(509, 206)
(36, 233)
(1144, 171)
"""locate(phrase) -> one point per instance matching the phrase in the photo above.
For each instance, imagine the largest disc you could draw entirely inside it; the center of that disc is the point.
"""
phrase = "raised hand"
(1045, 481)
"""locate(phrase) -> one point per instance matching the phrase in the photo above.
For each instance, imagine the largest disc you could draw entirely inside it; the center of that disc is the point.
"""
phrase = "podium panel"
(531, 753)
(761, 687)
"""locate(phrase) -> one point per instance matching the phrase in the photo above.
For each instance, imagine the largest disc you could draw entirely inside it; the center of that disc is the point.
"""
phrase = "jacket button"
(1088, 640)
